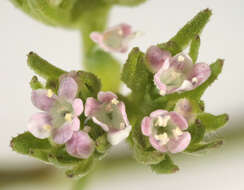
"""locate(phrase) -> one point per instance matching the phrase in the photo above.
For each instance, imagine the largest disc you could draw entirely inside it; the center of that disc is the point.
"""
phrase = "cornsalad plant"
(82, 114)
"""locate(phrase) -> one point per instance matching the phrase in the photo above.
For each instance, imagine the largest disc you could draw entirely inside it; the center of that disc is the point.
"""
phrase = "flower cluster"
(60, 117)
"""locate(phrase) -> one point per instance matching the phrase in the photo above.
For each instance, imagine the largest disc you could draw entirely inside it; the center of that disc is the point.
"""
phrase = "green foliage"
(166, 166)
(197, 131)
(102, 144)
(43, 68)
(35, 83)
(213, 122)
(125, 2)
(193, 28)
(41, 149)
(135, 74)
(203, 146)
(194, 48)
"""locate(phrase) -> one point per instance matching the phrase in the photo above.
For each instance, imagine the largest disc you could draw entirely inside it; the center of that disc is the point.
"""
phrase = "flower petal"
(182, 63)
(63, 134)
(184, 108)
(179, 120)
(96, 37)
(201, 72)
(77, 106)
(68, 88)
(39, 125)
(115, 137)
(156, 145)
(146, 126)
(123, 112)
(75, 124)
(101, 124)
(91, 106)
(80, 145)
(157, 113)
(179, 144)
(106, 96)
(41, 100)
(157, 58)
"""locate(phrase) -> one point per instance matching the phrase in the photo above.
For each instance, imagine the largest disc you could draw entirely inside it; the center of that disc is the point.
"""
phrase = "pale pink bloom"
(185, 108)
(109, 113)
(59, 118)
(181, 75)
(114, 39)
(80, 145)
(166, 131)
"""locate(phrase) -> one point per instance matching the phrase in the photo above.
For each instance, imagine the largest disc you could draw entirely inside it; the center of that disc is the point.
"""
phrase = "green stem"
(95, 60)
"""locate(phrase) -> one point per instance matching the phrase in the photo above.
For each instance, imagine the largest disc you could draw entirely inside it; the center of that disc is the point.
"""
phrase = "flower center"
(164, 129)
(47, 127)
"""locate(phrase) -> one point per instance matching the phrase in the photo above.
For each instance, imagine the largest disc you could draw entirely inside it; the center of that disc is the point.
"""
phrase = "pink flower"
(114, 39)
(185, 108)
(59, 118)
(181, 75)
(80, 145)
(157, 58)
(166, 131)
(109, 113)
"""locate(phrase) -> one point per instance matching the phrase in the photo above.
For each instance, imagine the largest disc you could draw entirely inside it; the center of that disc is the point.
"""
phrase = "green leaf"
(197, 131)
(180, 41)
(35, 83)
(43, 68)
(82, 168)
(194, 48)
(147, 156)
(135, 74)
(102, 144)
(203, 146)
(89, 84)
(212, 122)
(166, 166)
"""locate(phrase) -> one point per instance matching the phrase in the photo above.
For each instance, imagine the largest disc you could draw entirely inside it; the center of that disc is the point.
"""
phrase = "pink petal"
(77, 106)
(101, 124)
(75, 124)
(157, 58)
(178, 120)
(106, 96)
(184, 108)
(68, 88)
(123, 112)
(157, 113)
(202, 72)
(91, 106)
(126, 29)
(37, 124)
(146, 126)
(115, 137)
(80, 145)
(179, 144)
(96, 37)
(63, 134)
(155, 144)
(40, 99)
(161, 86)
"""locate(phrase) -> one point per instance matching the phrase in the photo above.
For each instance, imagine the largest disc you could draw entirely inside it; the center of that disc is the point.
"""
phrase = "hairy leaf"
(166, 166)
(194, 48)
(203, 146)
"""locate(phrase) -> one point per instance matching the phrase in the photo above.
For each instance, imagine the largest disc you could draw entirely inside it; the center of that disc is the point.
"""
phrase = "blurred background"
(218, 169)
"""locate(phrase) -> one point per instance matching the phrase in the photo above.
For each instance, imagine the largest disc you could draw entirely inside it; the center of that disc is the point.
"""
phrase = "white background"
(223, 37)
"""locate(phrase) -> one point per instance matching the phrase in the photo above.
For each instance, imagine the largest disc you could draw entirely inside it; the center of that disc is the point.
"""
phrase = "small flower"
(166, 131)
(80, 145)
(157, 58)
(109, 113)
(185, 108)
(114, 39)
(181, 75)
(59, 118)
